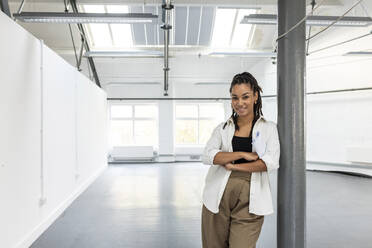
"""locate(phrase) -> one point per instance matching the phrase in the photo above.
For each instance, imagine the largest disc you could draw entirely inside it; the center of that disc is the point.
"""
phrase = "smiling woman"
(241, 151)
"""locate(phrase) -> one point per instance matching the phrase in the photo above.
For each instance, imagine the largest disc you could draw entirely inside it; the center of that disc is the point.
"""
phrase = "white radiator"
(131, 153)
(189, 153)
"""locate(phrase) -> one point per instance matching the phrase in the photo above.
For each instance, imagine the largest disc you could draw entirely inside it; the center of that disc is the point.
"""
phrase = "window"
(109, 35)
(195, 122)
(134, 124)
(228, 32)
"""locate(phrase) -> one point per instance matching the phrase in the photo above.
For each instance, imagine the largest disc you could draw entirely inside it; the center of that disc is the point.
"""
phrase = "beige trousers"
(233, 226)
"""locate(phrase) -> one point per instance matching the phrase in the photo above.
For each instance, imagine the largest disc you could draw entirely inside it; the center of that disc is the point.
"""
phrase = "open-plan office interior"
(106, 108)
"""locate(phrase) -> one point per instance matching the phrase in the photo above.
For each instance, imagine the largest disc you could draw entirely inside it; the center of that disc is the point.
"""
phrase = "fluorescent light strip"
(346, 21)
(257, 54)
(57, 17)
(123, 54)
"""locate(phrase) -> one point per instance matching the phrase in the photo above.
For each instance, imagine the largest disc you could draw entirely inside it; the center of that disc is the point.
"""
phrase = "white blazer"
(265, 142)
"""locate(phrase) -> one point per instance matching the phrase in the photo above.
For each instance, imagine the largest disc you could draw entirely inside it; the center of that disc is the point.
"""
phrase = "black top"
(242, 144)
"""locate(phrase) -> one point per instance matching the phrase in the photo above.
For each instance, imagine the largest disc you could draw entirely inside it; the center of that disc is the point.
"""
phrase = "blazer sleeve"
(272, 152)
(213, 146)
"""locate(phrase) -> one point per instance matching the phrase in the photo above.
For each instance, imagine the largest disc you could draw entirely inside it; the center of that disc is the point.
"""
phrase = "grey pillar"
(291, 222)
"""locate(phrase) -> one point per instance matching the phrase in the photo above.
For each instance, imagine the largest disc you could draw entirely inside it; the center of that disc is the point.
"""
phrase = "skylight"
(228, 32)
(194, 27)
(103, 36)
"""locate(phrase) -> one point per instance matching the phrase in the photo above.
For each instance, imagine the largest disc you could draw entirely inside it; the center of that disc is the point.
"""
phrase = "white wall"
(52, 135)
(335, 122)
(185, 72)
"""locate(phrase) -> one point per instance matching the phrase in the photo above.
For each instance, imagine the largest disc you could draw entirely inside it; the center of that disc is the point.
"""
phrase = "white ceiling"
(57, 36)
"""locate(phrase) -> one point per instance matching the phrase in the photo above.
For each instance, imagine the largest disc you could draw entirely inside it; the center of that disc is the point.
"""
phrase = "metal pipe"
(340, 43)
(167, 7)
(72, 36)
(21, 7)
(308, 41)
(80, 55)
(42, 198)
(291, 95)
(85, 42)
(226, 98)
(337, 91)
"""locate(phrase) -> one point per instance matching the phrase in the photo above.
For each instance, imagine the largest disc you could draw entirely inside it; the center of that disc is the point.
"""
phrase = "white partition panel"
(52, 135)
(19, 132)
(59, 123)
(92, 144)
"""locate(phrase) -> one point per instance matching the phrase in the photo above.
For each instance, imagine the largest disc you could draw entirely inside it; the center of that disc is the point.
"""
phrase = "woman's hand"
(250, 156)
(229, 166)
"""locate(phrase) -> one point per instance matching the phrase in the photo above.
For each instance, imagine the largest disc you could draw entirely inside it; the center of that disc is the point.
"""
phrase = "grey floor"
(159, 205)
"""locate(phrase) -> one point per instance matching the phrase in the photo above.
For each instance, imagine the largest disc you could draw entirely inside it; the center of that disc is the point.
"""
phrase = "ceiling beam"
(5, 7)
(190, 2)
(86, 45)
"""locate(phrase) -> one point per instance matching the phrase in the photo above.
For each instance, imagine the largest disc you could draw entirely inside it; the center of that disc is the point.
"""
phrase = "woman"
(241, 151)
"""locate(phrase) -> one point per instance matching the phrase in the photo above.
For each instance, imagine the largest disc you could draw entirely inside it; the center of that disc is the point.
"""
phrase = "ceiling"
(193, 22)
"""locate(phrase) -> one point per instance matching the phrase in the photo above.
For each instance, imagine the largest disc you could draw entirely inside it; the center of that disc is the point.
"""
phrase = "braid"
(234, 116)
(247, 78)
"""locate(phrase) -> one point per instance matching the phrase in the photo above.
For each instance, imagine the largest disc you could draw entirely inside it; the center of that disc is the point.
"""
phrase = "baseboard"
(35, 234)
(340, 167)
(164, 158)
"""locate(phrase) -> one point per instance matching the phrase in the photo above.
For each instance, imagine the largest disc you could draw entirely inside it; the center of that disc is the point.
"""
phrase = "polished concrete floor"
(159, 206)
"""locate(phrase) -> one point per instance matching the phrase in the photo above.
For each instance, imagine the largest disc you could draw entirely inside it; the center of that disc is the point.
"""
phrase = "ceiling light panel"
(346, 21)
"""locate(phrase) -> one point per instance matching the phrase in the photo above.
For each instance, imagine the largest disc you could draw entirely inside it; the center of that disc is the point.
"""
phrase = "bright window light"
(121, 33)
(146, 111)
(227, 31)
(223, 25)
(117, 9)
(210, 110)
(241, 32)
(100, 32)
(195, 122)
(101, 35)
(184, 111)
(186, 132)
(94, 8)
(121, 111)
(109, 35)
(134, 124)
(121, 132)
(145, 132)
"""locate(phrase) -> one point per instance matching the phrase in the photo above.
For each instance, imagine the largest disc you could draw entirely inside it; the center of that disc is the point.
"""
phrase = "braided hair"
(247, 78)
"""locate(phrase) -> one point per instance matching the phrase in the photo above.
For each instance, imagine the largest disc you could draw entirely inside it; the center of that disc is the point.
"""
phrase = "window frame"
(198, 118)
(133, 119)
